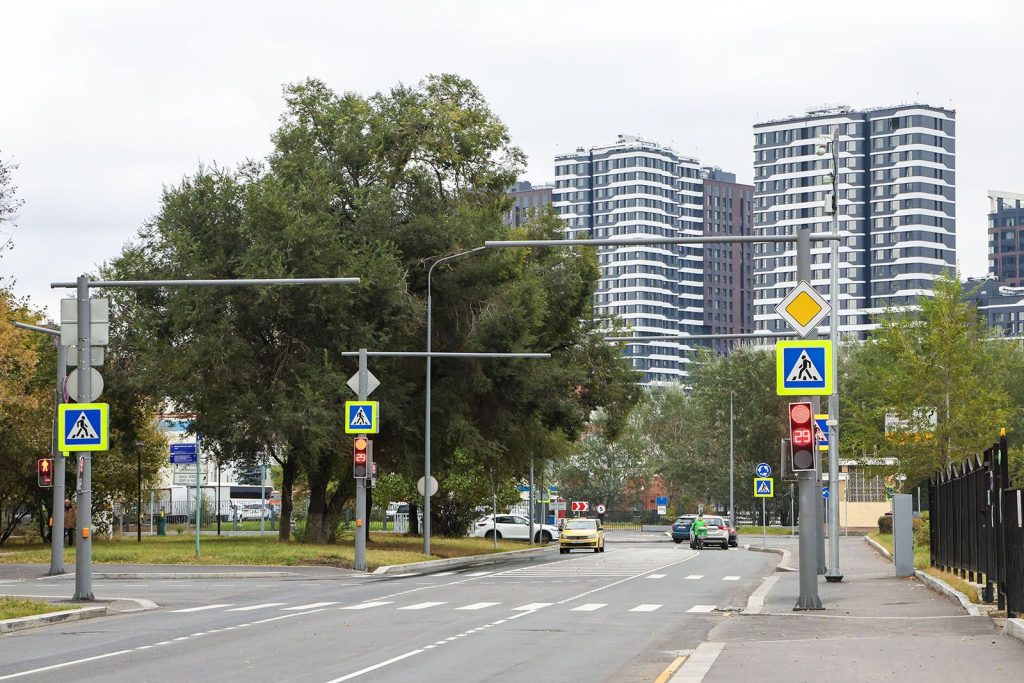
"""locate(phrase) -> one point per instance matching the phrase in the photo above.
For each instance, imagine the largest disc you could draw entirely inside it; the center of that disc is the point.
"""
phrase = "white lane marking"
(697, 665)
(58, 666)
(252, 607)
(479, 605)
(204, 607)
(645, 608)
(478, 573)
(443, 574)
(755, 603)
(422, 605)
(694, 577)
(702, 609)
(589, 607)
(312, 605)
(656, 576)
(730, 578)
(532, 606)
(375, 667)
(283, 616)
(368, 605)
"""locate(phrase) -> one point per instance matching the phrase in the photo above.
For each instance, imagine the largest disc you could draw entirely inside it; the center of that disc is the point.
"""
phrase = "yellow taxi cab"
(581, 533)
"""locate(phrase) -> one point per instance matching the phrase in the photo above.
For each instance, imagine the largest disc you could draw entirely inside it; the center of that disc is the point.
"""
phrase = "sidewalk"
(874, 627)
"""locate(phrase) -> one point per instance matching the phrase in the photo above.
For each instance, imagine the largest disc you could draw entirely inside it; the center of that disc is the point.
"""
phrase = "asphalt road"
(623, 615)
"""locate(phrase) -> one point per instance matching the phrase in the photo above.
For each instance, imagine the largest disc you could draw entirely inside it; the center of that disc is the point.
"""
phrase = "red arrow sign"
(580, 506)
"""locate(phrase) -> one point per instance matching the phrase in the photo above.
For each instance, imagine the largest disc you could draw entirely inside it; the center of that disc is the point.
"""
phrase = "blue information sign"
(184, 453)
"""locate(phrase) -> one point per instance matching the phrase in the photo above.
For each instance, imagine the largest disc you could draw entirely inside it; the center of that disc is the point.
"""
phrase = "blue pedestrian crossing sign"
(764, 487)
(803, 368)
(821, 431)
(361, 417)
(83, 427)
(763, 470)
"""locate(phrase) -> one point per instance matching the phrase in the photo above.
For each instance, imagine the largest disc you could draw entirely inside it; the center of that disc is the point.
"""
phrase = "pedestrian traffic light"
(44, 472)
(360, 456)
(801, 435)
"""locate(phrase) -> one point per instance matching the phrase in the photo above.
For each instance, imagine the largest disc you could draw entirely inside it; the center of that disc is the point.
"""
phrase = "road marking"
(589, 607)
(58, 666)
(532, 606)
(252, 607)
(379, 665)
(694, 577)
(645, 608)
(312, 605)
(367, 605)
(755, 603)
(479, 605)
(730, 578)
(204, 607)
(478, 573)
(285, 616)
(667, 673)
(422, 605)
(702, 609)
(443, 574)
(696, 667)
(656, 576)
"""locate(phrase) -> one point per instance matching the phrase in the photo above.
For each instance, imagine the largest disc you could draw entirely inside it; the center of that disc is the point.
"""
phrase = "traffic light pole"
(810, 524)
(834, 574)
(83, 503)
(361, 517)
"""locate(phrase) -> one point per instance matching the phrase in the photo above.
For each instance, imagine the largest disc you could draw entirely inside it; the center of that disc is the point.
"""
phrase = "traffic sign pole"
(360, 561)
(59, 477)
(83, 530)
(834, 574)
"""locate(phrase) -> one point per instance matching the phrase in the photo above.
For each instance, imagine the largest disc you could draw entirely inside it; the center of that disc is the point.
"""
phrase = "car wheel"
(678, 540)
(543, 537)
(492, 533)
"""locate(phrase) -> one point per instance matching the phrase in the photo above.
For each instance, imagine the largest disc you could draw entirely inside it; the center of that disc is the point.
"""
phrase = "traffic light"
(360, 456)
(801, 434)
(44, 472)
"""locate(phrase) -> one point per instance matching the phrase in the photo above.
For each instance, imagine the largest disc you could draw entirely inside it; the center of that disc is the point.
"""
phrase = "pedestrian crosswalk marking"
(478, 574)
(422, 605)
(532, 606)
(645, 608)
(202, 608)
(312, 605)
(479, 605)
(252, 607)
(444, 574)
(702, 609)
(368, 605)
(656, 576)
(590, 607)
(695, 577)
(730, 578)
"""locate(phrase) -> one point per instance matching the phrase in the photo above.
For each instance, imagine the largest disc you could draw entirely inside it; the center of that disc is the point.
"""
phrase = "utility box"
(903, 533)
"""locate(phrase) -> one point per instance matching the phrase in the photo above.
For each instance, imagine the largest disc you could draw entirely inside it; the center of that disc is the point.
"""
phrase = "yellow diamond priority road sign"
(803, 308)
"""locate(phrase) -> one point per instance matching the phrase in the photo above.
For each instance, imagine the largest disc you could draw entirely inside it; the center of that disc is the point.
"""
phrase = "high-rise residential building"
(728, 268)
(896, 203)
(1006, 237)
(639, 187)
(527, 199)
(1000, 304)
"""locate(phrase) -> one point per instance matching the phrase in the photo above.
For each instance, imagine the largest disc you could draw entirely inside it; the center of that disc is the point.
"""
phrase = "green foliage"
(922, 529)
(885, 524)
(465, 486)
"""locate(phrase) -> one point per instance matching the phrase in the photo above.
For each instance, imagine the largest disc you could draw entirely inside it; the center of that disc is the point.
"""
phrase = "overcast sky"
(104, 103)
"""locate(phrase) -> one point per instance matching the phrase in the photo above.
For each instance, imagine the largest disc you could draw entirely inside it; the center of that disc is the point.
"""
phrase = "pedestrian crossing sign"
(83, 427)
(821, 431)
(764, 487)
(361, 417)
(803, 368)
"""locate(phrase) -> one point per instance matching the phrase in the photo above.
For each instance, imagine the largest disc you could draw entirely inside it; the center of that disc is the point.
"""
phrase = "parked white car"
(514, 527)
(253, 511)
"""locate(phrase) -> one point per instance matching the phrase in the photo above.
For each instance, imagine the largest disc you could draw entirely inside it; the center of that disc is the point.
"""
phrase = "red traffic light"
(360, 455)
(44, 472)
(801, 434)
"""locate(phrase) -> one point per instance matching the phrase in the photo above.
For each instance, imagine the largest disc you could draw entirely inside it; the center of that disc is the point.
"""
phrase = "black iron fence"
(977, 526)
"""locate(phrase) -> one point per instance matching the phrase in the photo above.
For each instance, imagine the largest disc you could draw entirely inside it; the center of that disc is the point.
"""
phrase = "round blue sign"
(824, 492)
(763, 470)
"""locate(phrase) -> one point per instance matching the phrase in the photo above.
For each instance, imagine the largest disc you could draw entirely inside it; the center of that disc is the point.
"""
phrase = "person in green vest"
(698, 532)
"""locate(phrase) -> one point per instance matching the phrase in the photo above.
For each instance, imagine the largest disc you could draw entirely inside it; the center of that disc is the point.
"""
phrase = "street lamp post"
(732, 467)
(138, 473)
(426, 426)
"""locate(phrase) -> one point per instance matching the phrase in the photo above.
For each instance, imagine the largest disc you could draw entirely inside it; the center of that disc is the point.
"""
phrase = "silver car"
(718, 533)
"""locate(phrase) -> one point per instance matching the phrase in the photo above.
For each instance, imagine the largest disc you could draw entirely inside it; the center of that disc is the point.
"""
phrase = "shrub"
(922, 539)
(885, 524)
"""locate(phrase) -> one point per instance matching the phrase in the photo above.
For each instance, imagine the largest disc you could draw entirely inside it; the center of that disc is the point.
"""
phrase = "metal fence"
(977, 526)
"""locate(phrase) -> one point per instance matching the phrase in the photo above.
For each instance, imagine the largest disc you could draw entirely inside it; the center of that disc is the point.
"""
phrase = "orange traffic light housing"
(801, 436)
(44, 472)
(360, 456)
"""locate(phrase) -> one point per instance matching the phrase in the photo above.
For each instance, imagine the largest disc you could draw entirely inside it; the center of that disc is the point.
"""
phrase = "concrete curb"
(135, 576)
(461, 562)
(933, 582)
(50, 618)
(786, 557)
(1015, 628)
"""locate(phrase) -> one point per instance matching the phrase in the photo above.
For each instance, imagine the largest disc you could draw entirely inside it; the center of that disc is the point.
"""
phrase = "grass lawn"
(383, 549)
(922, 561)
(12, 608)
(756, 530)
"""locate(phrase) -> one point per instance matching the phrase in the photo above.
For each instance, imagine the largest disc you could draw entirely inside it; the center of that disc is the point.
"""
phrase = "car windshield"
(715, 521)
(685, 520)
(581, 524)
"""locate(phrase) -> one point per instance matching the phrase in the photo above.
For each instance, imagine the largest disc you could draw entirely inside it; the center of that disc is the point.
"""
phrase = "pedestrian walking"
(70, 521)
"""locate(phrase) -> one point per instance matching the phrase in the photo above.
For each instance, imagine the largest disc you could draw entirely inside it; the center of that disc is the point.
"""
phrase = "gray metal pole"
(819, 503)
(792, 512)
(808, 598)
(83, 530)
(59, 467)
(360, 562)
(263, 497)
(764, 524)
(834, 574)
(732, 469)
(199, 494)
(532, 511)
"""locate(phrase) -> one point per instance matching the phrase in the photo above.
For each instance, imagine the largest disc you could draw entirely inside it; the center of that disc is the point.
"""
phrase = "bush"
(885, 524)
(922, 527)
